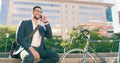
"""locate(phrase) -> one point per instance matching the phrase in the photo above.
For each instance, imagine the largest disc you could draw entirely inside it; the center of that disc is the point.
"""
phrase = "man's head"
(37, 11)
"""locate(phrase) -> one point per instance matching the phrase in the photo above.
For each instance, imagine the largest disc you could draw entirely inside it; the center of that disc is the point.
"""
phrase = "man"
(33, 49)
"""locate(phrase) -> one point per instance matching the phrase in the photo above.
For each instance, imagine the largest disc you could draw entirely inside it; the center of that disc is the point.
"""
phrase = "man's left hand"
(44, 19)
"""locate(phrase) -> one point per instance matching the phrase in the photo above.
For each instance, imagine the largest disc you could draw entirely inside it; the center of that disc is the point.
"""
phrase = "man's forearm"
(48, 32)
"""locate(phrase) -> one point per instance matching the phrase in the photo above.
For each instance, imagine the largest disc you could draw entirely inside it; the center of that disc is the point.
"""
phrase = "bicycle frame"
(86, 50)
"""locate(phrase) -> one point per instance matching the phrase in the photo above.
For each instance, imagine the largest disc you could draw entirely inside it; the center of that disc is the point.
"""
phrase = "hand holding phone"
(43, 19)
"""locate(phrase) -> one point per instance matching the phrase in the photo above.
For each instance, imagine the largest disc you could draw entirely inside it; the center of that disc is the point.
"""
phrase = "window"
(73, 18)
(15, 22)
(89, 8)
(55, 23)
(21, 15)
(66, 18)
(51, 11)
(73, 12)
(73, 6)
(110, 31)
(40, 4)
(66, 12)
(66, 6)
(24, 9)
(53, 17)
(89, 19)
(109, 14)
(91, 14)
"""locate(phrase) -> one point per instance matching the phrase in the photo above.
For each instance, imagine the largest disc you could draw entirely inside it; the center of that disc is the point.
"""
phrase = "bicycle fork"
(84, 57)
(85, 50)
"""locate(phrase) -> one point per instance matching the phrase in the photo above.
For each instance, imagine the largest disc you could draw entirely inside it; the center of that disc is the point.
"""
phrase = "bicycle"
(84, 53)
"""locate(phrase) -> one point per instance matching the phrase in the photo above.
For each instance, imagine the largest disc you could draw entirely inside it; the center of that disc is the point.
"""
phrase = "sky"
(0, 4)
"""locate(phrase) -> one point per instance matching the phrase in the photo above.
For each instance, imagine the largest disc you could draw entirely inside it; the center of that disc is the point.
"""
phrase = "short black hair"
(36, 7)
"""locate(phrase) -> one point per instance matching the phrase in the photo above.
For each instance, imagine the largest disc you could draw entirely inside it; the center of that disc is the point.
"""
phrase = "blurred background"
(65, 17)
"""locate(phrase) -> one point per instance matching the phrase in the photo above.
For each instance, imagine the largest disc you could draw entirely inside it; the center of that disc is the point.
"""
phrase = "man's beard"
(36, 18)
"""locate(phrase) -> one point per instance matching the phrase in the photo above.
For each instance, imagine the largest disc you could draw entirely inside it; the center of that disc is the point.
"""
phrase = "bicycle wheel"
(77, 57)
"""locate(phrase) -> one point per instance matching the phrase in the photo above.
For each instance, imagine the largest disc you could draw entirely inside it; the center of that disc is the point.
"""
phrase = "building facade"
(118, 9)
(63, 15)
(116, 17)
(4, 11)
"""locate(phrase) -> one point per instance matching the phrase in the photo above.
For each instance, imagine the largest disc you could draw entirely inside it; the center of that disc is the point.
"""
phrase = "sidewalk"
(72, 58)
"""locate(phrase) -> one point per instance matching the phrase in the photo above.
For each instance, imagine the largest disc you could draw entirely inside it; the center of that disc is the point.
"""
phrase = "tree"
(79, 42)
(58, 45)
(3, 38)
(115, 45)
(51, 43)
(54, 44)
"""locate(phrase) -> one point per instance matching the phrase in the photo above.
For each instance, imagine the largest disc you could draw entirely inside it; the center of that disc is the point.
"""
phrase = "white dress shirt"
(36, 40)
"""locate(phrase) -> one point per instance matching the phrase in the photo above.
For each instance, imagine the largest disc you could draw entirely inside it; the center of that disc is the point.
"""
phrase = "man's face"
(37, 13)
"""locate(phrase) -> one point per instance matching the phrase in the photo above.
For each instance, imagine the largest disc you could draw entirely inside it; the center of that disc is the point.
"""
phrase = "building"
(62, 14)
(4, 11)
(115, 15)
(119, 14)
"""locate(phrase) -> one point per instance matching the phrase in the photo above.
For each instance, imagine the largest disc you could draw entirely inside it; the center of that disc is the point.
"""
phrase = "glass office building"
(63, 15)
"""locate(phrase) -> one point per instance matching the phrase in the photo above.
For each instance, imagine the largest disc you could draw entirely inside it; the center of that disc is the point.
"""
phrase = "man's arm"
(35, 53)
(48, 31)
(21, 35)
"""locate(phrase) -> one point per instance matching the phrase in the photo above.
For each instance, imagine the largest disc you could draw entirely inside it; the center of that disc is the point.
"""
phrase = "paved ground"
(66, 60)
(72, 58)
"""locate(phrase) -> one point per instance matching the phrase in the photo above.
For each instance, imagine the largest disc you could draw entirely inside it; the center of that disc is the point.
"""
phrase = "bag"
(13, 47)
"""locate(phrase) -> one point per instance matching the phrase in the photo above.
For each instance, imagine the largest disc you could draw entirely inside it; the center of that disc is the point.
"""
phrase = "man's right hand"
(35, 53)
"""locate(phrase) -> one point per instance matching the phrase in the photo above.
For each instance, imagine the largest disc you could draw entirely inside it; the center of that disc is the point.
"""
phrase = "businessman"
(33, 49)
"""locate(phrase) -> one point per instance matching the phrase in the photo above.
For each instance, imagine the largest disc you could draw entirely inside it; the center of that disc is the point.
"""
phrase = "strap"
(32, 33)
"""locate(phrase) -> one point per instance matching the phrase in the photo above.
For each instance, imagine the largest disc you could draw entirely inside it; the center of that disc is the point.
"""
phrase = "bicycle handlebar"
(85, 33)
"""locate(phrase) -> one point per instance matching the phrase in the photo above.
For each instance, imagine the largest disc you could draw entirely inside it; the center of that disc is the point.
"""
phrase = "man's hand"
(35, 53)
(44, 19)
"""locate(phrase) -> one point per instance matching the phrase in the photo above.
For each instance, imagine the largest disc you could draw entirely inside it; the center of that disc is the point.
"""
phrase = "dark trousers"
(46, 56)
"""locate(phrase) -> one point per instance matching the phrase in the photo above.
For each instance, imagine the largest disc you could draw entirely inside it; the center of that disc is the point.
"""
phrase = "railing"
(118, 57)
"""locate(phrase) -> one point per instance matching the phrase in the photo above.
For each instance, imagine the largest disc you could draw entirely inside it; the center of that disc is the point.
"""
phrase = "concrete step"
(73, 55)
(66, 60)
(4, 55)
(71, 58)
(9, 60)
(88, 60)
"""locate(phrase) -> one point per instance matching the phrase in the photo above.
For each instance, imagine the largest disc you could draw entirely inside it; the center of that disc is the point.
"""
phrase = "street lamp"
(56, 46)
(7, 36)
(65, 46)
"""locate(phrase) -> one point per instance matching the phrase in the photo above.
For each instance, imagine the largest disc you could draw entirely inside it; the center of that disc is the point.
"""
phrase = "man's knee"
(57, 57)
(26, 56)
(29, 58)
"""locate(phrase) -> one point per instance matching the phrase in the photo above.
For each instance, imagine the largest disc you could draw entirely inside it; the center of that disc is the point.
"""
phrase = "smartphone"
(43, 18)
